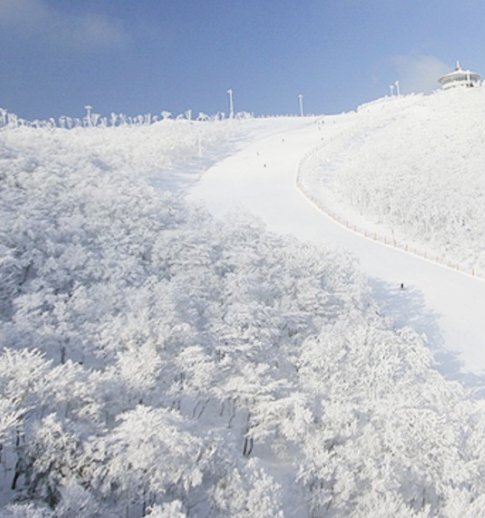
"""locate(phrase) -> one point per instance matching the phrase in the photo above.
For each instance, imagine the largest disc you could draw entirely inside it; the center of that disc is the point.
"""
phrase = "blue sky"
(145, 56)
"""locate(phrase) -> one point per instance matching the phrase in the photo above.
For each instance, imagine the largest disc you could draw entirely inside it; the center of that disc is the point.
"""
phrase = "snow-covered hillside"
(158, 362)
(414, 165)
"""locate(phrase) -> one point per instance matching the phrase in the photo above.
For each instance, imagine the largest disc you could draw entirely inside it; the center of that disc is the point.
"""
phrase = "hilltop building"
(459, 77)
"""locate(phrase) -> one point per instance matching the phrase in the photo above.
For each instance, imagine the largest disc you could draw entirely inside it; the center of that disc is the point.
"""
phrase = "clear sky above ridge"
(145, 56)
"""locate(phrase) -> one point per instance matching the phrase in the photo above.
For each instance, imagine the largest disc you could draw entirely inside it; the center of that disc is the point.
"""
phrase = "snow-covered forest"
(158, 362)
(416, 165)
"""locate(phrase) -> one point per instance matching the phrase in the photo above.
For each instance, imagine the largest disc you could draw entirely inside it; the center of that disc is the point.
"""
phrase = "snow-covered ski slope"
(445, 305)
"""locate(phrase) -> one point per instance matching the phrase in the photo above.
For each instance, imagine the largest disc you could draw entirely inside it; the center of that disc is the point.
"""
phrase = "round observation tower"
(459, 77)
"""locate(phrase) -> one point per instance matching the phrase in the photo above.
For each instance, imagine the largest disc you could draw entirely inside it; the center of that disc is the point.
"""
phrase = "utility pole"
(88, 114)
(231, 104)
(300, 99)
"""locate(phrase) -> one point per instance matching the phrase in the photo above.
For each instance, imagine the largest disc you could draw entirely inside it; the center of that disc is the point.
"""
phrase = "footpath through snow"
(441, 303)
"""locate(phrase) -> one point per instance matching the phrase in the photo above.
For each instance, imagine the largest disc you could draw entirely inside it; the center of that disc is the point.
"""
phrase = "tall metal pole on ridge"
(300, 98)
(231, 104)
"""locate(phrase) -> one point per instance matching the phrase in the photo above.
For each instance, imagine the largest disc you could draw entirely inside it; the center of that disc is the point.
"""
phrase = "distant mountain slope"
(416, 165)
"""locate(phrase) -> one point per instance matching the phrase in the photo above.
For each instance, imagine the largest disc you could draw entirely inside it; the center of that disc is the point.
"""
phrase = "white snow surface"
(158, 362)
(444, 305)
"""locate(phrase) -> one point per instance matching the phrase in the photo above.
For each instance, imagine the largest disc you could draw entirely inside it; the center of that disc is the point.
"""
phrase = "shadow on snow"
(406, 307)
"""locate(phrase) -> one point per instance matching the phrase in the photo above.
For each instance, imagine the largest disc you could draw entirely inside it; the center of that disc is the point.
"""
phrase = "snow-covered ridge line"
(389, 104)
(93, 120)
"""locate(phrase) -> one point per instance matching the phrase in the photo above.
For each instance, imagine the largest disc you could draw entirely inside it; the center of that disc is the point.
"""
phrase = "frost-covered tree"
(151, 457)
